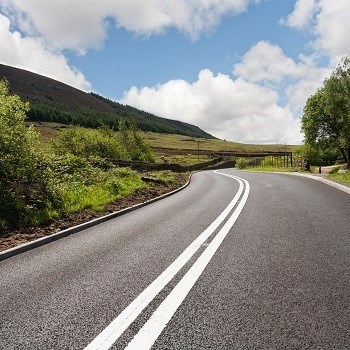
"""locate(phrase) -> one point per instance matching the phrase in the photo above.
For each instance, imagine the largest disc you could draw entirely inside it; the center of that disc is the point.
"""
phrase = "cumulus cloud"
(30, 53)
(302, 15)
(267, 63)
(231, 109)
(79, 25)
(245, 108)
(333, 27)
(84, 24)
(328, 21)
(299, 91)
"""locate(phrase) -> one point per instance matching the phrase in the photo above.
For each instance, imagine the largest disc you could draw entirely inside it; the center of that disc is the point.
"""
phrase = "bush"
(241, 163)
(36, 187)
(86, 187)
(135, 146)
(85, 143)
(18, 143)
(19, 157)
(104, 143)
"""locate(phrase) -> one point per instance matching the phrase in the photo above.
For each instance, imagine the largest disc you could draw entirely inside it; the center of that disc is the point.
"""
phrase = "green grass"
(49, 131)
(185, 142)
(77, 196)
(335, 170)
(343, 178)
(164, 176)
(270, 168)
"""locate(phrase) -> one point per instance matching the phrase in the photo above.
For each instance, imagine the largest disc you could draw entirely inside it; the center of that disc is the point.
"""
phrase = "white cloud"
(266, 62)
(246, 108)
(231, 109)
(299, 91)
(302, 15)
(328, 21)
(333, 27)
(31, 53)
(64, 24)
(83, 24)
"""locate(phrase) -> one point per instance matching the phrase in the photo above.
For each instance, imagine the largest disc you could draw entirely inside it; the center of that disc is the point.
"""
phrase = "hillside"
(53, 101)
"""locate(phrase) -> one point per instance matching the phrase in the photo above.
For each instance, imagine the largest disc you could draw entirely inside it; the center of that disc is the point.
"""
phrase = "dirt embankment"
(17, 237)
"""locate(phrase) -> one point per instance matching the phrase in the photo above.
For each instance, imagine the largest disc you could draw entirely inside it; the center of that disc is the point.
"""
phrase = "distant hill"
(53, 101)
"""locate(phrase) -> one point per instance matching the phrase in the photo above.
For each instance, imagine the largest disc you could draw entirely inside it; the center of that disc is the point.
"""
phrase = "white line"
(149, 333)
(325, 181)
(115, 329)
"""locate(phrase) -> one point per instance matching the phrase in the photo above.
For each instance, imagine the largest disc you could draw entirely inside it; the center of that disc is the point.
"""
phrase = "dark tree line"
(94, 119)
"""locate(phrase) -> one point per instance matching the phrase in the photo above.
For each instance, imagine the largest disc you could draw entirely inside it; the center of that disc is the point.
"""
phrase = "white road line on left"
(115, 329)
(151, 330)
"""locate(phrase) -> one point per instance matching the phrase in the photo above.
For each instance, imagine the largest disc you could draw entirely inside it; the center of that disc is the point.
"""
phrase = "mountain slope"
(51, 100)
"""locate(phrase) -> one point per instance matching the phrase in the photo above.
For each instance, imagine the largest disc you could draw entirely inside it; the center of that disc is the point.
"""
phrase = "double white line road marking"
(151, 330)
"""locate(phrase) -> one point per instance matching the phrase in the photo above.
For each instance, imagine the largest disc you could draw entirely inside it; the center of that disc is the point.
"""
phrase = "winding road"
(236, 260)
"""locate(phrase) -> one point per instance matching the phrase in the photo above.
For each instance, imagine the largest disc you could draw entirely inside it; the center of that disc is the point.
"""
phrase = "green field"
(49, 131)
(188, 143)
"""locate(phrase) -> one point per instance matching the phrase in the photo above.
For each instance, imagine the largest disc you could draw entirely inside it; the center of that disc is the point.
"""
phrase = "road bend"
(237, 260)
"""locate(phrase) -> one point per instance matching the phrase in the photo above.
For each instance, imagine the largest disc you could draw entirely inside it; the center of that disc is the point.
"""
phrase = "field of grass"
(188, 143)
(49, 131)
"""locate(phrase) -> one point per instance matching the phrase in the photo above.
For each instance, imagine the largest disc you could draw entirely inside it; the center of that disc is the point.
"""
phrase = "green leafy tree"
(136, 147)
(18, 142)
(19, 155)
(326, 118)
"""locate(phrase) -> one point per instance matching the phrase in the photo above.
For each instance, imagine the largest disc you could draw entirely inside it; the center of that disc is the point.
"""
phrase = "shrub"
(19, 157)
(36, 187)
(85, 143)
(18, 143)
(241, 163)
(105, 143)
(135, 146)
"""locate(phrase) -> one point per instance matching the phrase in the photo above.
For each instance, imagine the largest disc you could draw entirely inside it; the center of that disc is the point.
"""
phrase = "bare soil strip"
(14, 238)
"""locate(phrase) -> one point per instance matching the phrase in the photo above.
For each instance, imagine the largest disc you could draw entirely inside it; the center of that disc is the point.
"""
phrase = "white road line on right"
(108, 336)
(151, 330)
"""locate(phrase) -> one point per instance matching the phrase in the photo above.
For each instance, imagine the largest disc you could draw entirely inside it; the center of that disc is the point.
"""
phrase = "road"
(269, 269)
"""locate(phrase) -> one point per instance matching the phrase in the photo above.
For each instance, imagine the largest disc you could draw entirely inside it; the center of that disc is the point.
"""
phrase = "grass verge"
(343, 178)
(274, 169)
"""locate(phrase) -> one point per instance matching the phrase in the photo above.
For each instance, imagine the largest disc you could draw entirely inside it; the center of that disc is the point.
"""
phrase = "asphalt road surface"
(237, 260)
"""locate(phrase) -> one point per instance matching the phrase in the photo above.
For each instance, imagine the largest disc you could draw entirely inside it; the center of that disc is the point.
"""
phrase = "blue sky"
(239, 69)
(128, 59)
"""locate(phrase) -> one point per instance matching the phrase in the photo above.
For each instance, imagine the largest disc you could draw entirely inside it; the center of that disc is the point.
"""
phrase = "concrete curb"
(56, 236)
(336, 185)
(309, 176)
(325, 181)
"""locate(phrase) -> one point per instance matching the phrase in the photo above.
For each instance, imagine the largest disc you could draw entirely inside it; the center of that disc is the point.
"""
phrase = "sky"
(241, 70)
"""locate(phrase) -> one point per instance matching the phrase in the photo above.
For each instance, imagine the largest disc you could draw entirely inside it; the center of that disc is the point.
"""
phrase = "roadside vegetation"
(343, 178)
(326, 119)
(326, 125)
(76, 172)
(270, 164)
(190, 143)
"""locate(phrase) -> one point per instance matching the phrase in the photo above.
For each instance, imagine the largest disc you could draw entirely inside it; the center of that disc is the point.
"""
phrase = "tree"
(18, 143)
(326, 118)
(19, 155)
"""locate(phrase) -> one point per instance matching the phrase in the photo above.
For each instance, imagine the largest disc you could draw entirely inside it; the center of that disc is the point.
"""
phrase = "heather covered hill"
(53, 101)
